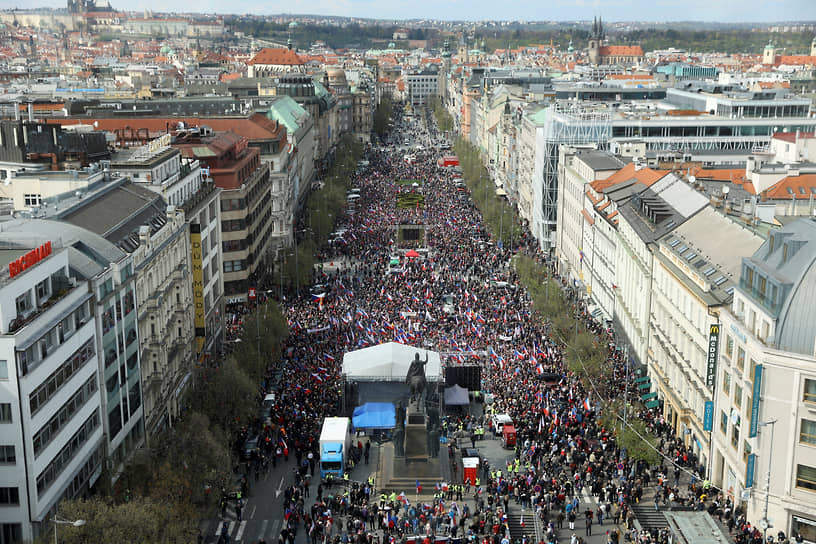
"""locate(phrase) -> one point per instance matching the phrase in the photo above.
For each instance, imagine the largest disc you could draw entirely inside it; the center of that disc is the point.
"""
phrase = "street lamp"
(764, 523)
(57, 521)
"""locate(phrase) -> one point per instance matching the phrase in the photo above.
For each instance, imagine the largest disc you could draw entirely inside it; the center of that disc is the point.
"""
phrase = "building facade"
(765, 374)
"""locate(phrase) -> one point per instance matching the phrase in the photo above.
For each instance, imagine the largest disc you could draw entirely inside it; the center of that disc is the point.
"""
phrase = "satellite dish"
(692, 179)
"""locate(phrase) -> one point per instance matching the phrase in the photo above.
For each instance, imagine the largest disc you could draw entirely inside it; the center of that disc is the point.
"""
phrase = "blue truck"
(335, 441)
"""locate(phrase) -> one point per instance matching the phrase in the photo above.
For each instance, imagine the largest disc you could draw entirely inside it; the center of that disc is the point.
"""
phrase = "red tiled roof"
(796, 60)
(280, 56)
(254, 127)
(646, 176)
(621, 51)
(800, 187)
(790, 137)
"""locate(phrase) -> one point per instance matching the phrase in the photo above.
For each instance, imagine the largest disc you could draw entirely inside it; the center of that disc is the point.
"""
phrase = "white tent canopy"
(389, 362)
(456, 396)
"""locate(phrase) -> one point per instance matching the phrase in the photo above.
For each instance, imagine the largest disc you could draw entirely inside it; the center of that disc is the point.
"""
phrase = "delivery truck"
(335, 441)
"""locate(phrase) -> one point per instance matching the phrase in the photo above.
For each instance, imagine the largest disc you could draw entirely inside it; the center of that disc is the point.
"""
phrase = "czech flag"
(587, 406)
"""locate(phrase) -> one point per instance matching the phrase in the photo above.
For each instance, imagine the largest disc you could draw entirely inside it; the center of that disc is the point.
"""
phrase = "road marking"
(279, 490)
(275, 528)
(218, 529)
(263, 529)
(252, 515)
(240, 530)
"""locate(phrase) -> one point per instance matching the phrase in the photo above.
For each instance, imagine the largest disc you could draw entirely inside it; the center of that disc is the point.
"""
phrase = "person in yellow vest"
(393, 497)
(346, 476)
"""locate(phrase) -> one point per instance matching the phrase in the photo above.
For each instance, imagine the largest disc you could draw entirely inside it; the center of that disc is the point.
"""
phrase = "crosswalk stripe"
(218, 529)
(263, 529)
(240, 532)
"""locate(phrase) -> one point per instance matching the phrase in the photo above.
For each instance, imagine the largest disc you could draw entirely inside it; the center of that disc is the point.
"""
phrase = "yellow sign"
(158, 143)
(198, 287)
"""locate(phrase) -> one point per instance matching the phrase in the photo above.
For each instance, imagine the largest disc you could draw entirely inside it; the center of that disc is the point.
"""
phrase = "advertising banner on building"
(752, 428)
(713, 349)
(708, 416)
(750, 466)
(198, 286)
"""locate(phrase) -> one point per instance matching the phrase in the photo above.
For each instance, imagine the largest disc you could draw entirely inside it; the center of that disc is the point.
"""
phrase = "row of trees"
(584, 355)
(169, 485)
(319, 215)
(382, 116)
(497, 212)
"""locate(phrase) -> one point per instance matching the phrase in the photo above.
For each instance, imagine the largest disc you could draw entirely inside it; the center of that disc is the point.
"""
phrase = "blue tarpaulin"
(374, 415)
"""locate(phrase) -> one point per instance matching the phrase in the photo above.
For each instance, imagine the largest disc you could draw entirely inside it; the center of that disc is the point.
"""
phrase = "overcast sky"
(565, 10)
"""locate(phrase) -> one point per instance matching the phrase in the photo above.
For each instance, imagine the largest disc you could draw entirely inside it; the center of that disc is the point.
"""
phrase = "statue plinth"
(416, 437)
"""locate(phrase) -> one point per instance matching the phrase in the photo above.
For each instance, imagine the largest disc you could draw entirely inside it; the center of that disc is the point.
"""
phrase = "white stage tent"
(388, 362)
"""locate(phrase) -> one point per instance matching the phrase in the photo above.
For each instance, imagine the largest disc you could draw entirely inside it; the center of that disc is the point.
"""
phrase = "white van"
(499, 421)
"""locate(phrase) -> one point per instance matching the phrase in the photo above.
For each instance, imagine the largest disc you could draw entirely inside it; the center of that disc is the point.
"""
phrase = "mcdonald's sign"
(713, 349)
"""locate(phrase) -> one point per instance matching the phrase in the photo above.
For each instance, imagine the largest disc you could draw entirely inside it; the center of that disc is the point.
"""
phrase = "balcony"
(206, 190)
(42, 306)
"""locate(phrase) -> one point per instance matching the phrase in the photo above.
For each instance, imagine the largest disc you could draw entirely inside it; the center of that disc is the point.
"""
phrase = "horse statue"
(416, 378)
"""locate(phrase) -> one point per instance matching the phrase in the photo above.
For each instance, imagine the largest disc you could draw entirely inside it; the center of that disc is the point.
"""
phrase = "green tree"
(140, 520)
(382, 116)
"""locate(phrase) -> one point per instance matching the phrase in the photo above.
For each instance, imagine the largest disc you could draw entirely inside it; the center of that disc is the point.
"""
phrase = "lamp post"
(56, 521)
(764, 523)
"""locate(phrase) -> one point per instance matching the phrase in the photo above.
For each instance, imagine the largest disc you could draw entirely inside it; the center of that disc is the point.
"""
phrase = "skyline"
(724, 11)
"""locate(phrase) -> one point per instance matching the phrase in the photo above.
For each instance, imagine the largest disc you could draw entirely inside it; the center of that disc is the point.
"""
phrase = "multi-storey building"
(763, 428)
(161, 169)
(696, 267)
(246, 216)
(51, 412)
(421, 86)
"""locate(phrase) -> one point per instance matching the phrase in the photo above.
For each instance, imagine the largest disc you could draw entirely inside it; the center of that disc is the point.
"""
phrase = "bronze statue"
(416, 377)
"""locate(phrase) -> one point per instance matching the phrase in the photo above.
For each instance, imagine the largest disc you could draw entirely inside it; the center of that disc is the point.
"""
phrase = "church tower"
(595, 41)
(769, 54)
(444, 73)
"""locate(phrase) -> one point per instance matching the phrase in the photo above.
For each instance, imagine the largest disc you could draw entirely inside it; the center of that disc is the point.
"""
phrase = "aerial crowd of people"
(461, 297)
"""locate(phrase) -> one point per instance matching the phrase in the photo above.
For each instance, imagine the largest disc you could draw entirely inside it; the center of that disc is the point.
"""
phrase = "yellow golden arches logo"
(715, 329)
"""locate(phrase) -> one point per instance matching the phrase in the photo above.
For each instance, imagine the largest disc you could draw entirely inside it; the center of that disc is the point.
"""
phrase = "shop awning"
(642, 379)
(645, 385)
(653, 404)
(648, 396)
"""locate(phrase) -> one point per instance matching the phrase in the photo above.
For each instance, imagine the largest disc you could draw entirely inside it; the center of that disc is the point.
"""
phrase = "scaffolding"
(570, 124)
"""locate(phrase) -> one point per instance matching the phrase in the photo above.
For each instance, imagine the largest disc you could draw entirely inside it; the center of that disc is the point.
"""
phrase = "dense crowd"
(462, 297)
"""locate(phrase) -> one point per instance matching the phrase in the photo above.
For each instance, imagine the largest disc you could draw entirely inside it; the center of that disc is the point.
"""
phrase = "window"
(9, 495)
(23, 302)
(724, 422)
(806, 477)
(740, 358)
(726, 384)
(807, 433)
(735, 431)
(810, 390)
(3, 370)
(746, 450)
(729, 346)
(7, 455)
(737, 396)
(32, 199)
(5, 412)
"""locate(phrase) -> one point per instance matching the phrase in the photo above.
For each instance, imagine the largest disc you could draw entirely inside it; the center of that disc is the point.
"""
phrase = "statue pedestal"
(416, 437)
(400, 474)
